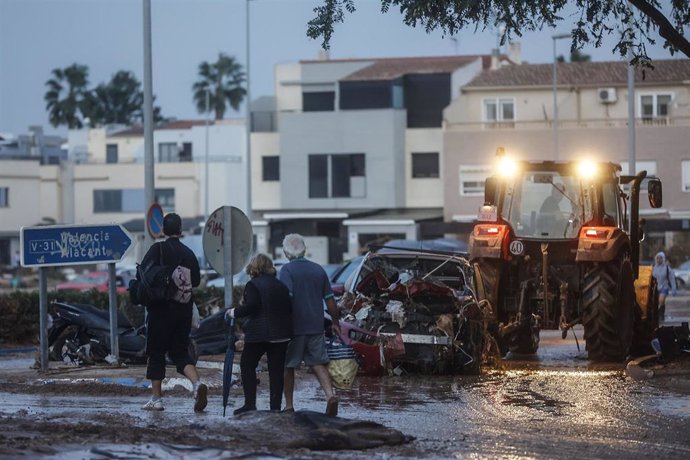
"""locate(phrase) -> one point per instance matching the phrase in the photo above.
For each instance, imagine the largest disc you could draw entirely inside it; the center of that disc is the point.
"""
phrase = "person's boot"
(662, 312)
(243, 409)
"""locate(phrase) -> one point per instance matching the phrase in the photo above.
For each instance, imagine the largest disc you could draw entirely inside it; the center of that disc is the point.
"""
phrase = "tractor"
(551, 249)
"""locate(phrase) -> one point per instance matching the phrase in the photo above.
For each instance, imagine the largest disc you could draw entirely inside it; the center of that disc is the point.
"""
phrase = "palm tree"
(222, 81)
(66, 95)
(119, 101)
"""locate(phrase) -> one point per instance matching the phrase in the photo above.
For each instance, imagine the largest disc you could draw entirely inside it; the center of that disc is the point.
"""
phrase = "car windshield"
(544, 205)
(347, 271)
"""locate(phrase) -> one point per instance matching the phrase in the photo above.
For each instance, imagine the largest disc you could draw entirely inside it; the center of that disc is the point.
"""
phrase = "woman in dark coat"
(268, 329)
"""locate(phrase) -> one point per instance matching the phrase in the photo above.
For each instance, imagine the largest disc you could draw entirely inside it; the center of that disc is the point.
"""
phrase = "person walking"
(309, 287)
(168, 322)
(268, 329)
(665, 281)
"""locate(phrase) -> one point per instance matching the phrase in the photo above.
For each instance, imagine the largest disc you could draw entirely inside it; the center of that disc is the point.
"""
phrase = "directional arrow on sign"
(54, 245)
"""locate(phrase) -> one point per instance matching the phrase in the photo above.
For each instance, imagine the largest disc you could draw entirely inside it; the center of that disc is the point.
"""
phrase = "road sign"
(73, 244)
(154, 221)
(241, 239)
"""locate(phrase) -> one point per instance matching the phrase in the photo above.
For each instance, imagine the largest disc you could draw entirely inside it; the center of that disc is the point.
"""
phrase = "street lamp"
(555, 95)
(206, 180)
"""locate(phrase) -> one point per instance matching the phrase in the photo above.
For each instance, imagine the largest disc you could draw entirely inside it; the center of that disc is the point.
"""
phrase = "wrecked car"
(413, 311)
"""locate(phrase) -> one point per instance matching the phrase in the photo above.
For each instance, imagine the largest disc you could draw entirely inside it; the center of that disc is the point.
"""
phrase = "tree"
(575, 56)
(222, 81)
(119, 101)
(596, 19)
(66, 96)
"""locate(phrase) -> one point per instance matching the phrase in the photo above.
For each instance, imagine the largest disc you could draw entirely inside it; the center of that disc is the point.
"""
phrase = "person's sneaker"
(243, 409)
(332, 406)
(153, 404)
(200, 397)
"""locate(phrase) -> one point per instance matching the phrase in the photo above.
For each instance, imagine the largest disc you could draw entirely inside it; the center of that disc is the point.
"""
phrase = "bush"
(19, 323)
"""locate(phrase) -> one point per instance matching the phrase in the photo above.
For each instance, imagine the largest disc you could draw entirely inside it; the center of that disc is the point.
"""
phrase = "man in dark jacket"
(268, 329)
(168, 322)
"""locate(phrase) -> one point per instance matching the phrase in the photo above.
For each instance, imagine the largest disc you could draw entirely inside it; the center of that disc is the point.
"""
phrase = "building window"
(168, 152)
(131, 200)
(499, 111)
(649, 166)
(337, 176)
(424, 165)
(107, 201)
(111, 153)
(321, 101)
(472, 179)
(655, 108)
(685, 168)
(4, 197)
(271, 168)
(186, 152)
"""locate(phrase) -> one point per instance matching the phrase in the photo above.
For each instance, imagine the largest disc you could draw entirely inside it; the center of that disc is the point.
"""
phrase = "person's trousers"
(275, 356)
(167, 331)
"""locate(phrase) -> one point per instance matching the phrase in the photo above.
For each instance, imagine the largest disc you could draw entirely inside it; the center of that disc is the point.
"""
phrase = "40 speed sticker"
(516, 248)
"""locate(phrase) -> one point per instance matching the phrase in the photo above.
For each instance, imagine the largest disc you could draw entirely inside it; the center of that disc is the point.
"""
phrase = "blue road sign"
(154, 221)
(73, 244)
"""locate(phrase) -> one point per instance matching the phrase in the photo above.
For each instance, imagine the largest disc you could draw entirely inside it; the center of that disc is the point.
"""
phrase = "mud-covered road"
(555, 405)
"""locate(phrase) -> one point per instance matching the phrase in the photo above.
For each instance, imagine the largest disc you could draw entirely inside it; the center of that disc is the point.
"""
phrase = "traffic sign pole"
(43, 317)
(112, 294)
(228, 253)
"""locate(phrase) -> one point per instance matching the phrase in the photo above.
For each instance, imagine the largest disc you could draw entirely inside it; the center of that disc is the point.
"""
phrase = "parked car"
(682, 274)
(239, 279)
(93, 280)
(413, 311)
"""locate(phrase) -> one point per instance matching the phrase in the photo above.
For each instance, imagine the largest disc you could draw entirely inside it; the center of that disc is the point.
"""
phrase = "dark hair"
(172, 224)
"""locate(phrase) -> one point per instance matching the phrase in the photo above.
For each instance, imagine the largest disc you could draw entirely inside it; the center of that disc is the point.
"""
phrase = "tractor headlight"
(507, 167)
(587, 169)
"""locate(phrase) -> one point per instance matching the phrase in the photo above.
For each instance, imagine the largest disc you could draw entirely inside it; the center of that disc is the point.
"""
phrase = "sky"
(37, 36)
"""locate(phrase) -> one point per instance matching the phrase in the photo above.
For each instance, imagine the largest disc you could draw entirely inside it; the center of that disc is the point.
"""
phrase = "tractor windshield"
(544, 205)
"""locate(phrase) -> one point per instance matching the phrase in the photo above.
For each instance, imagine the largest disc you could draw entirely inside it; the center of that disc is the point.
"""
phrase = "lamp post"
(555, 94)
(249, 120)
(206, 181)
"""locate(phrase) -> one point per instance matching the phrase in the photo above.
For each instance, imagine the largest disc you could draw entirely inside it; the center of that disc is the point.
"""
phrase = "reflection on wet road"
(555, 405)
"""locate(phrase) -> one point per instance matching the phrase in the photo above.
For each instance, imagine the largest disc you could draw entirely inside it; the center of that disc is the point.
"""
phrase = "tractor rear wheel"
(608, 309)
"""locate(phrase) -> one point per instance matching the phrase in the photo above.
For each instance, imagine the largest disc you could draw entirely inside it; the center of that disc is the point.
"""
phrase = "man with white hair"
(309, 288)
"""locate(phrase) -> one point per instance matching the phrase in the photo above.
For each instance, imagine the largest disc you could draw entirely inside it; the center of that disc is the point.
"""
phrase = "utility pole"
(149, 184)
(248, 121)
(555, 95)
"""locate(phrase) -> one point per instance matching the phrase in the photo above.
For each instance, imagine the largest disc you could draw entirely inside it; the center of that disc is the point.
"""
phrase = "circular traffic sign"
(241, 239)
(516, 247)
(154, 221)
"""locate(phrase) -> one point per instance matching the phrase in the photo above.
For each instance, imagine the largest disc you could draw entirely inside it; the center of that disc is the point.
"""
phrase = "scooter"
(81, 334)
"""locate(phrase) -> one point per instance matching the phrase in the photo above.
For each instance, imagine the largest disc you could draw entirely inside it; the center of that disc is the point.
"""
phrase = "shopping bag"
(343, 365)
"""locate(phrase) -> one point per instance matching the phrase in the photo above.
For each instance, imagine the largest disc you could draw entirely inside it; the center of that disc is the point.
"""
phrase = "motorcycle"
(80, 334)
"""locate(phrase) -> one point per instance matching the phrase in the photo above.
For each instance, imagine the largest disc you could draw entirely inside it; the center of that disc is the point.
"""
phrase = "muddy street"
(556, 405)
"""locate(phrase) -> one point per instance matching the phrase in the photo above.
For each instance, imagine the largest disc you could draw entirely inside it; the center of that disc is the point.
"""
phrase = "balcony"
(566, 124)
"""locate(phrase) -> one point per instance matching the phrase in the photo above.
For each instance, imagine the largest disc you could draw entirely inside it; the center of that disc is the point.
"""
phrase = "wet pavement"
(556, 404)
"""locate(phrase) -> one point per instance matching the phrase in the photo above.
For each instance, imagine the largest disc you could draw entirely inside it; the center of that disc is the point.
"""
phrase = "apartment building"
(101, 179)
(511, 107)
(356, 150)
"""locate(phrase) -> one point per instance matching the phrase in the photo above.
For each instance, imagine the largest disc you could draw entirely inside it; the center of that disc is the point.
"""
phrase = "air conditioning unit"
(607, 95)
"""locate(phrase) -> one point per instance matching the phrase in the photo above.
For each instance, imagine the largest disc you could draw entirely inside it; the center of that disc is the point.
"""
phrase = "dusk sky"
(37, 36)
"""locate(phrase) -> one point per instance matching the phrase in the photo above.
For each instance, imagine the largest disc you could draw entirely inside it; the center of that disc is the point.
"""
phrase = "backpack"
(157, 282)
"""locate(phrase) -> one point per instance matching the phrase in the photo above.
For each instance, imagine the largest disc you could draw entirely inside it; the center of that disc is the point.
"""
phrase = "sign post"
(227, 251)
(56, 245)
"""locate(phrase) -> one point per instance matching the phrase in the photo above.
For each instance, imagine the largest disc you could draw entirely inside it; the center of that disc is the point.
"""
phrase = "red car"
(93, 280)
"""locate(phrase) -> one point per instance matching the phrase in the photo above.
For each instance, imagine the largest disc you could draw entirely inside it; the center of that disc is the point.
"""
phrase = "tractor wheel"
(608, 310)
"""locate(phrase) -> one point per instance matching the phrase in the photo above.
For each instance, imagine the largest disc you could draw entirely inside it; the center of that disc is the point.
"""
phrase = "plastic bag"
(196, 319)
(343, 365)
